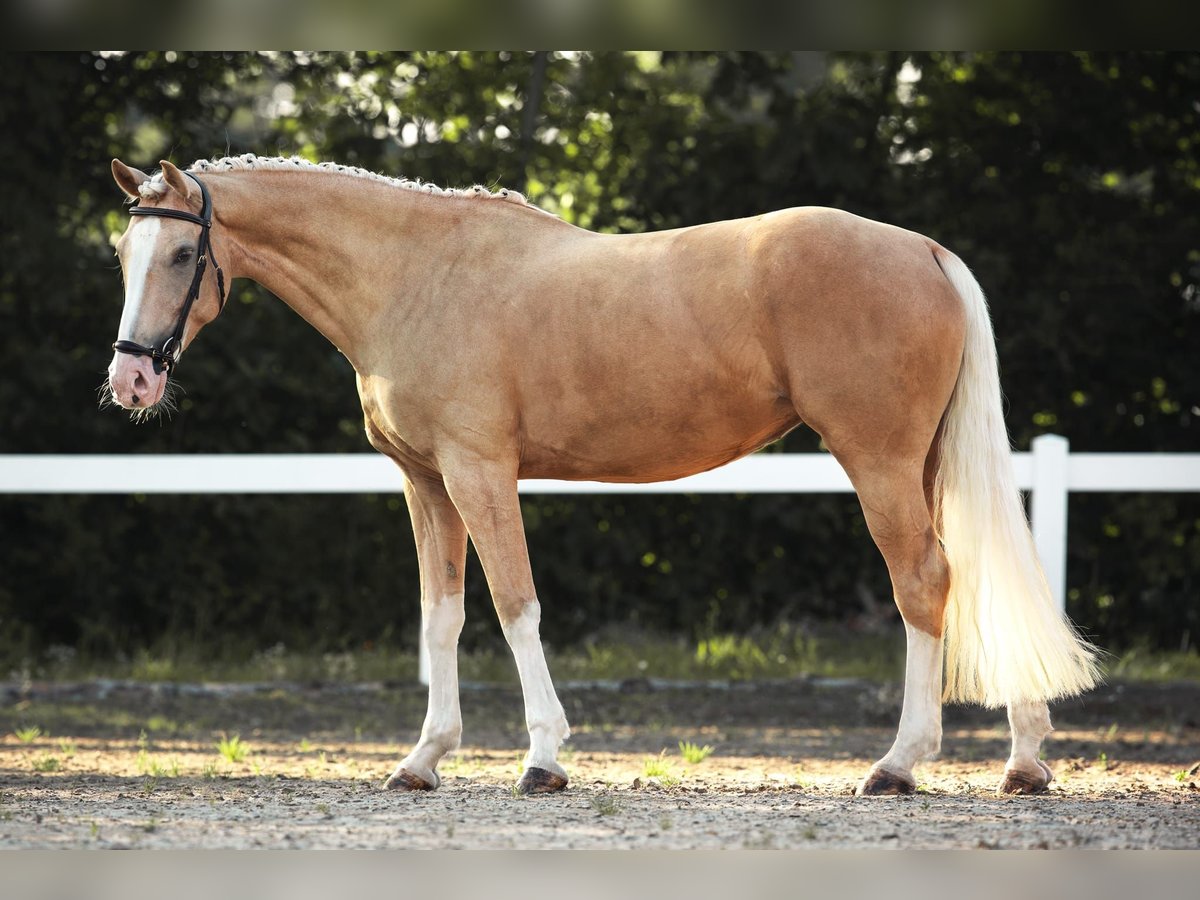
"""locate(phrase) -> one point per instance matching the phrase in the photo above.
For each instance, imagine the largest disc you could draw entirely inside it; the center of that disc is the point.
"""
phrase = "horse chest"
(388, 434)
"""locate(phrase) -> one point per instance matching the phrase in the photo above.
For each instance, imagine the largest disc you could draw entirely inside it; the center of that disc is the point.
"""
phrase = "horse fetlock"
(424, 758)
(910, 749)
(553, 730)
(440, 741)
(545, 737)
(934, 745)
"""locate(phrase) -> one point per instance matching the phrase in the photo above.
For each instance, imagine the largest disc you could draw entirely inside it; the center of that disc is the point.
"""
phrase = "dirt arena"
(123, 765)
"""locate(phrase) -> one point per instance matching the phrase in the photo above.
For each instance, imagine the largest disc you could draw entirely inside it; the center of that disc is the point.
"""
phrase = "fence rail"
(1049, 472)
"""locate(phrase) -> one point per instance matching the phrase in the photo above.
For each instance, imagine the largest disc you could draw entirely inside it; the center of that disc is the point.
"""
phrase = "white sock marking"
(1030, 724)
(920, 734)
(544, 714)
(442, 623)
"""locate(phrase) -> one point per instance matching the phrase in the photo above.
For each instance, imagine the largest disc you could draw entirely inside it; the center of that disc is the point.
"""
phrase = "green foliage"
(47, 763)
(29, 734)
(1140, 663)
(694, 753)
(233, 749)
(157, 768)
(620, 653)
(1069, 183)
(658, 768)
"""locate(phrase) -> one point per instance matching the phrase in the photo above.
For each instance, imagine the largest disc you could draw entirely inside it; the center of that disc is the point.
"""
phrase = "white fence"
(1049, 472)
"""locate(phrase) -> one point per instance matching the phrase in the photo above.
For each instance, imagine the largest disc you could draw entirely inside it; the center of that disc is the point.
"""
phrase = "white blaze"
(142, 237)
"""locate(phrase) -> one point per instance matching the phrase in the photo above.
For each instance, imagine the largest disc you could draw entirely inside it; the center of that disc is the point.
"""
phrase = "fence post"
(1048, 511)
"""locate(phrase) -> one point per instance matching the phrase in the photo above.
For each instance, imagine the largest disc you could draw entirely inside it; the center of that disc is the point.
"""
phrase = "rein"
(166, 356)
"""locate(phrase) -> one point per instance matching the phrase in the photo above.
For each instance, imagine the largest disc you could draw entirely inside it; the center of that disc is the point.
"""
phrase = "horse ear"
(175, 179)
(128, 178)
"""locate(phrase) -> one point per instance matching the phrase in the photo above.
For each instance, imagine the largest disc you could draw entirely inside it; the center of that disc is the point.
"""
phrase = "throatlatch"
(166, 355)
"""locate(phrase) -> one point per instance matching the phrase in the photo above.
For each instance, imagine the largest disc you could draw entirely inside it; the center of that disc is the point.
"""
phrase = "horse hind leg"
(899, 518)
(899, 509)
(1025, 773)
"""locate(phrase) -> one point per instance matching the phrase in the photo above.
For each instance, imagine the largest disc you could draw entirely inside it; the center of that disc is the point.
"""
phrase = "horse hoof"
(882, 783)
(404, 780)
(540, 781)
(1022, 783)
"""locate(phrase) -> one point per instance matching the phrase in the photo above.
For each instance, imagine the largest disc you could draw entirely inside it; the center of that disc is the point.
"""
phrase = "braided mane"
(155, 188)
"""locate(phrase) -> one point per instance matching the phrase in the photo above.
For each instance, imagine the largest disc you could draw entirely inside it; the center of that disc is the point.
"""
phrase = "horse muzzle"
(134, 382)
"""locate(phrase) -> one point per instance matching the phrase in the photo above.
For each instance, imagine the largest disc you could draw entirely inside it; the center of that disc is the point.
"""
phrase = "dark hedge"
(1069, 182)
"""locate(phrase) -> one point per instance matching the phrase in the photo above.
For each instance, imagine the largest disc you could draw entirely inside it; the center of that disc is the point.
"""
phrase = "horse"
(493, 341)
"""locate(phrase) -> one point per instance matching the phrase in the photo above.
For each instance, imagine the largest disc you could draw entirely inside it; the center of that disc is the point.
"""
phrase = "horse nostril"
(139, 384)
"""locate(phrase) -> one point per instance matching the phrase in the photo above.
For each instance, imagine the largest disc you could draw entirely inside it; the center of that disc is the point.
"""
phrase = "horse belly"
(676, 433)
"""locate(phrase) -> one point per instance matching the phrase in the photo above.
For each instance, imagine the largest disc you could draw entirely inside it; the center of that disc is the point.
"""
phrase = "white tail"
(1006, 641)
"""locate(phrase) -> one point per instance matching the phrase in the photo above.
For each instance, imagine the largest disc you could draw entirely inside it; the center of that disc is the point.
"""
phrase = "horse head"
(165, 254)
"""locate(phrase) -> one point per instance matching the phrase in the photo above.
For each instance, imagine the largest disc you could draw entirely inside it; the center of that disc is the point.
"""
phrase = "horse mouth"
(165, 407)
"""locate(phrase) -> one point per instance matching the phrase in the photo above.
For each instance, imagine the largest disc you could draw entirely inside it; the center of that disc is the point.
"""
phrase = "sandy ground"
(119, 765)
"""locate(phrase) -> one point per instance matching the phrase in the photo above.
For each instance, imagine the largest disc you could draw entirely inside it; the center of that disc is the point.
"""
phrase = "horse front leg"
(486, 498)
(441, 539)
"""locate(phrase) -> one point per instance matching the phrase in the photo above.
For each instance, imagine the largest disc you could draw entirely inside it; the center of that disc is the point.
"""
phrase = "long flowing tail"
(1006, 641)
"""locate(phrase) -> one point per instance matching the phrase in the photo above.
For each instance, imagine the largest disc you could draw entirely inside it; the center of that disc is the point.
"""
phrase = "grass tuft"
(47, 763)
(28, 735)
(605, 805)
(660, 770)
(694, 753)
(233, 749)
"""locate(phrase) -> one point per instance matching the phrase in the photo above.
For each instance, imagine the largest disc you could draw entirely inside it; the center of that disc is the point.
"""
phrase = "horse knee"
(520, 616)
(442, 621)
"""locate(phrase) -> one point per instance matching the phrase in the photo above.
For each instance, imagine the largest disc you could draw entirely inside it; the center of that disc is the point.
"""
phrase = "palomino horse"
(493, 341)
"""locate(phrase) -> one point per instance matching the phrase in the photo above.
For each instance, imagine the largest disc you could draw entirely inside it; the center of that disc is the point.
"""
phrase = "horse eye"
(183, 255)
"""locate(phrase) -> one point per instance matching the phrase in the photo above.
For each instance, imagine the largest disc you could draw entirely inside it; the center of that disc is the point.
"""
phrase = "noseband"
(166, 356)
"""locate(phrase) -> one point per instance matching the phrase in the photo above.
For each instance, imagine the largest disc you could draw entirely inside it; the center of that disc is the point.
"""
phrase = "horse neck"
(341, 250)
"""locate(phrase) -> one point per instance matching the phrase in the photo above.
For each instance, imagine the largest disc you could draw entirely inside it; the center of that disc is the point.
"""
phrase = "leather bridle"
(166, 355)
